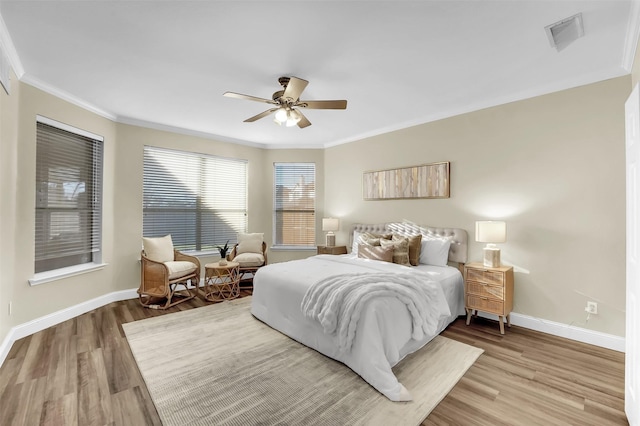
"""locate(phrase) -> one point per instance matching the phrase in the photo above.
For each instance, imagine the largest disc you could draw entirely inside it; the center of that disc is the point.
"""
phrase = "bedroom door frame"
(632, 346)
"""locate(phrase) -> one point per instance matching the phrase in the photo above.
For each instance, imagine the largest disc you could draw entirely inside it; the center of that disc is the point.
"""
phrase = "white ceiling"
(166, 64)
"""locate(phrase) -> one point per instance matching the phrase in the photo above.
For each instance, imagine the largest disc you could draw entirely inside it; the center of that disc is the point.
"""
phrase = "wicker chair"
(249, 263)
(162, 271)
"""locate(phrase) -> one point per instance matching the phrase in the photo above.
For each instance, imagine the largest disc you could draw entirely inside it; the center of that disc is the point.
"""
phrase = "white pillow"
(250, 243)
(434, 251)
(158, 249)
(354, 245)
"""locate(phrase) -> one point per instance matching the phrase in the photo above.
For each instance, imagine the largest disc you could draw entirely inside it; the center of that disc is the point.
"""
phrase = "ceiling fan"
(288, 104)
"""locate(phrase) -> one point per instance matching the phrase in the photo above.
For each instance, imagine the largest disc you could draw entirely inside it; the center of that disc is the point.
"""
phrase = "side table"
(332, 249)
(221, 282)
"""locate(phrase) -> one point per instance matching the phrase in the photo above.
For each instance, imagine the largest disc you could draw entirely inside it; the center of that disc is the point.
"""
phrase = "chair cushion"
(180, 268)
(249, 260)
(158, 249)
(250, 243)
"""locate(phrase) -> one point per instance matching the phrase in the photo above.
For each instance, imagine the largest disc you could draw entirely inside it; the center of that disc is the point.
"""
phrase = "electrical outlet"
(592, 308)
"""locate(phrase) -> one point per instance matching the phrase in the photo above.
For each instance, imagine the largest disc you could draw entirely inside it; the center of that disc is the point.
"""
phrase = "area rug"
(218, 365)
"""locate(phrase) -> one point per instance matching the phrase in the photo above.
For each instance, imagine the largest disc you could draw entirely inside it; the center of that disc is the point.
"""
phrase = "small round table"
(221, 282)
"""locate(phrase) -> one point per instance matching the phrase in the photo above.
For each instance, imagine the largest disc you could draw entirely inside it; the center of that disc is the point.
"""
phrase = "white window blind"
(201, 200)
(68, 198)
(294, 204)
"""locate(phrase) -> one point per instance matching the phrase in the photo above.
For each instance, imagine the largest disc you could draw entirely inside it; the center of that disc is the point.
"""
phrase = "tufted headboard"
(458, 236)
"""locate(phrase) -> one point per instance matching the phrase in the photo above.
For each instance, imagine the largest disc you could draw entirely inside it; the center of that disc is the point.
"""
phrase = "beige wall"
(8, 178)
(32, 302)
(122, 207)
(551, 166)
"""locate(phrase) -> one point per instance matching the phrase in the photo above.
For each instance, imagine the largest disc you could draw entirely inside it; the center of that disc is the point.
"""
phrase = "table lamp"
(491, 232)
(330, 224)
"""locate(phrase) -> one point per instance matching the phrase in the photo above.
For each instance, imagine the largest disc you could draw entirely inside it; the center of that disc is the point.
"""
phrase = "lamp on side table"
(491, 232)
(329, 225)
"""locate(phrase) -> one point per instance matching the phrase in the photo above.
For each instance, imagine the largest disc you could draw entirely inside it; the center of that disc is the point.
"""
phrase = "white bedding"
(383, 333)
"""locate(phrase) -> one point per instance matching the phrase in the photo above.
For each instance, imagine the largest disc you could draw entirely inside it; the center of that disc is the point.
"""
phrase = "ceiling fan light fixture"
(284, 101)
(292, 118)
(281, 116)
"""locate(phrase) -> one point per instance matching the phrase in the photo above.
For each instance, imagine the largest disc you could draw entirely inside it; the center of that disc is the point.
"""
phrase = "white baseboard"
(579, 334)
(39, 324)
(584, 335)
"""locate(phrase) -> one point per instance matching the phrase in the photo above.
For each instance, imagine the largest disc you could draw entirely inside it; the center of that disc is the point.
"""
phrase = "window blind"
(201, 200)
(68, 198)
(294, 204)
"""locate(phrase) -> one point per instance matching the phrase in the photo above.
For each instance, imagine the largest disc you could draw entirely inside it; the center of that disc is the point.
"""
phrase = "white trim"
(571, 332)
(68, 128)
(187, 132)
(59, 274)
(65, 96)
(596, 338)
(7, 43)
(42, 323)
(631, 38)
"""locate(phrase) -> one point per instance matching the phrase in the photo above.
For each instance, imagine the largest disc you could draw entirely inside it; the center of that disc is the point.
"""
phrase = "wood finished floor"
(82, 372)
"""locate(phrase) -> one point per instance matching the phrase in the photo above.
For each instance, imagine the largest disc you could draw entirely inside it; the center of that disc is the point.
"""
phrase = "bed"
(385, 330)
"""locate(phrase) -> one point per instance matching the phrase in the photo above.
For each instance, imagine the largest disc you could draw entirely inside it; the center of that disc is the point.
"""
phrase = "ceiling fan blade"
(249, 97)
(303, 120)
(261, 115)
(294, 88)
(337, 104)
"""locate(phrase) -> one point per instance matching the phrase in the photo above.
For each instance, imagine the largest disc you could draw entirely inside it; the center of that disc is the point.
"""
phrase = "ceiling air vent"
(563, 33)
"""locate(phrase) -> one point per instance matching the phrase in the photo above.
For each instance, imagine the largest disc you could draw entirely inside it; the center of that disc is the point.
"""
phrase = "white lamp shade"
(330, 224)
(491, 231)
(281, 115)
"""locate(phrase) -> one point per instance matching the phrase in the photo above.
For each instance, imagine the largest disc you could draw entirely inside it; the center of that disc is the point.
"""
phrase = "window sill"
(62, 273)
(293, 248)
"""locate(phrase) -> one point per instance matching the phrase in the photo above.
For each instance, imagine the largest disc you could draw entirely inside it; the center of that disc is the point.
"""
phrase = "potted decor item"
(223, 253)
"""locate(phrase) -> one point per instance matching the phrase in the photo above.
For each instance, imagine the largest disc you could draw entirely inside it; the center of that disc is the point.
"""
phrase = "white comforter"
(384, 332)
(337, 302)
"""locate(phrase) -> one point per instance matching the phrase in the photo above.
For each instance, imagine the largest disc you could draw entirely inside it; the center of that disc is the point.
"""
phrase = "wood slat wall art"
(424, 181)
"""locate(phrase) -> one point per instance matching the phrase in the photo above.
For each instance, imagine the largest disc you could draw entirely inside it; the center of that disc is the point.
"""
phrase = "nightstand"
(332, 249)
(489, 290)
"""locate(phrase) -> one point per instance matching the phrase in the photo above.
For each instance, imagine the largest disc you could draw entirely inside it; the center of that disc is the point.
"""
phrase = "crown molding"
(183, 131)
(591, 78)
(46, 87)
(7, 45)
(631, 39)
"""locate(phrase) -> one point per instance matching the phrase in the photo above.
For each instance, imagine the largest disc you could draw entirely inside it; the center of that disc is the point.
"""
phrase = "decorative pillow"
(414, 247)
(400, 250)
(367, 238)
(384, 254)
(435, 251)
(250, 243)
(249, 260)
(374, 239)
(158, 249)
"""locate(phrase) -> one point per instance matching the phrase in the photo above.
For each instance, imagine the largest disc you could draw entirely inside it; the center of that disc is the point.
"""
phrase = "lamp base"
(331, 239)
(491, 257)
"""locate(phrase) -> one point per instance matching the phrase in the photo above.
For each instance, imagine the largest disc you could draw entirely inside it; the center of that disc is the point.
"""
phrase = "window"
(201, 200)
(68, 196)
(294, 204)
